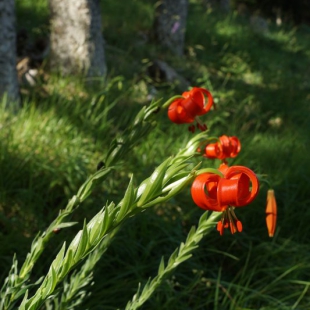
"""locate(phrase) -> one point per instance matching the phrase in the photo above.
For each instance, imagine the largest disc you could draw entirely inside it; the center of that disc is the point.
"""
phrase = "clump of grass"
(261, 95)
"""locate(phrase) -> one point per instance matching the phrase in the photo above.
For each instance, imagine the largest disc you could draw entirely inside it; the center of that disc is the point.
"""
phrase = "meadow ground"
(261, 87)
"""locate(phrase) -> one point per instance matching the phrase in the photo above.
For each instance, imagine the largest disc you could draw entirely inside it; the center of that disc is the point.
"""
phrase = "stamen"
(238, 224)
(200, 124)
(202, 127)
(232, 225)
(220, 227)
(229, 220)
(191, 128)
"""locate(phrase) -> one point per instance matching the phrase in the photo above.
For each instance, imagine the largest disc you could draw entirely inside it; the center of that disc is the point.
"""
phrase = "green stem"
(139, 129)
(168, 102)
(181, 254)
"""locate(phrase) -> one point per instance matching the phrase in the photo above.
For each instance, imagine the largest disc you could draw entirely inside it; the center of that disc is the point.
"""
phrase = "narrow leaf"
(82, 244)
(57, 263)
(161, 267)
(65, 225)
(154, 183)
(127, 201)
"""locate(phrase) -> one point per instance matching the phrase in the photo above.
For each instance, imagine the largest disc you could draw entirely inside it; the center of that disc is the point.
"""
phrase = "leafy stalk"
(159, 187)
(12, 288)
(181, 254)
(165, 182)
(74, 290)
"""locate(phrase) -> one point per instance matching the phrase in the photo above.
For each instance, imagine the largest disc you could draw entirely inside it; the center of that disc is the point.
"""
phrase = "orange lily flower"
(271, 212)
(198, 101)
(237, 188)
(226, 147)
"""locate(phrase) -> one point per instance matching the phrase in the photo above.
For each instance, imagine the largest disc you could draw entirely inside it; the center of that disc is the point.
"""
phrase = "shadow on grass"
(255, 79)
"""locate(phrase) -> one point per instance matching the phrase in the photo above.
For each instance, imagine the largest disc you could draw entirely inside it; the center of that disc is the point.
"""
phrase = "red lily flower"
(226, 147)
(237, 188)
(271, 211)
(198, 101)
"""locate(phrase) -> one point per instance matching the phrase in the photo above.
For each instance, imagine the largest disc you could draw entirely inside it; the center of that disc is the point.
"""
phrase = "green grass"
(261, 88)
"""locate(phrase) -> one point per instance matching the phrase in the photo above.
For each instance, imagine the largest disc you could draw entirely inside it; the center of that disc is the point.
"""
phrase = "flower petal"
(198, 101)
(212, 151)
(245, 176)
(225, 148)
(232, 190)
(204, 190)
(235, 146)
(178, 114)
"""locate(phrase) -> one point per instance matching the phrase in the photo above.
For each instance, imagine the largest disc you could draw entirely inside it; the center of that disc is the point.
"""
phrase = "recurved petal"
(212, 151)
(200, 98)
(207, 104)
(235, 146)
(248, 177)
(203, 192)
(177, 114)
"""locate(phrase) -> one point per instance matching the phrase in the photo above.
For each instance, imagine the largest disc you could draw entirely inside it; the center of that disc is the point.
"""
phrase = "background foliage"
(261, 88)
(296, 12)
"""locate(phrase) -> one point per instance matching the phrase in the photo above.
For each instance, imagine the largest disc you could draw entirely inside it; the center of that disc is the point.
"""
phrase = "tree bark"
(8, 73)
(77, 45)
(170, 24)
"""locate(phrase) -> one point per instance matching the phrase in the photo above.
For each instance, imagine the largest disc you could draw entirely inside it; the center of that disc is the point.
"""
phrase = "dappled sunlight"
(229, 29)
(253, 78)
(68, 130)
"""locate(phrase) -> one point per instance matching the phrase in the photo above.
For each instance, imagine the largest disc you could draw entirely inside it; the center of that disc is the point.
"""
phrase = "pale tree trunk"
(170, 24)
(77, 44)
(8, 73)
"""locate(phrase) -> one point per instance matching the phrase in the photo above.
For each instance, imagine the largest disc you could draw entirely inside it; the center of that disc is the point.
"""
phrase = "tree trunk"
(77, 44)
(8, 74)
(170, 24)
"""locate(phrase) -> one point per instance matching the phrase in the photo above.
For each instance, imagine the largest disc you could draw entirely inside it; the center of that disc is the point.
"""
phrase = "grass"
(260, 84)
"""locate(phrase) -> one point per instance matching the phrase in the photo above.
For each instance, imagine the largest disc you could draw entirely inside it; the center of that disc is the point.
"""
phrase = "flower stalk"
(167, 180)
(142, 125)
(181, 254)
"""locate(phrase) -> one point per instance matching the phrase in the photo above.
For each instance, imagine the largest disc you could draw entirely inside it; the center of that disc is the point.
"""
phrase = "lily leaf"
(154, 183)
